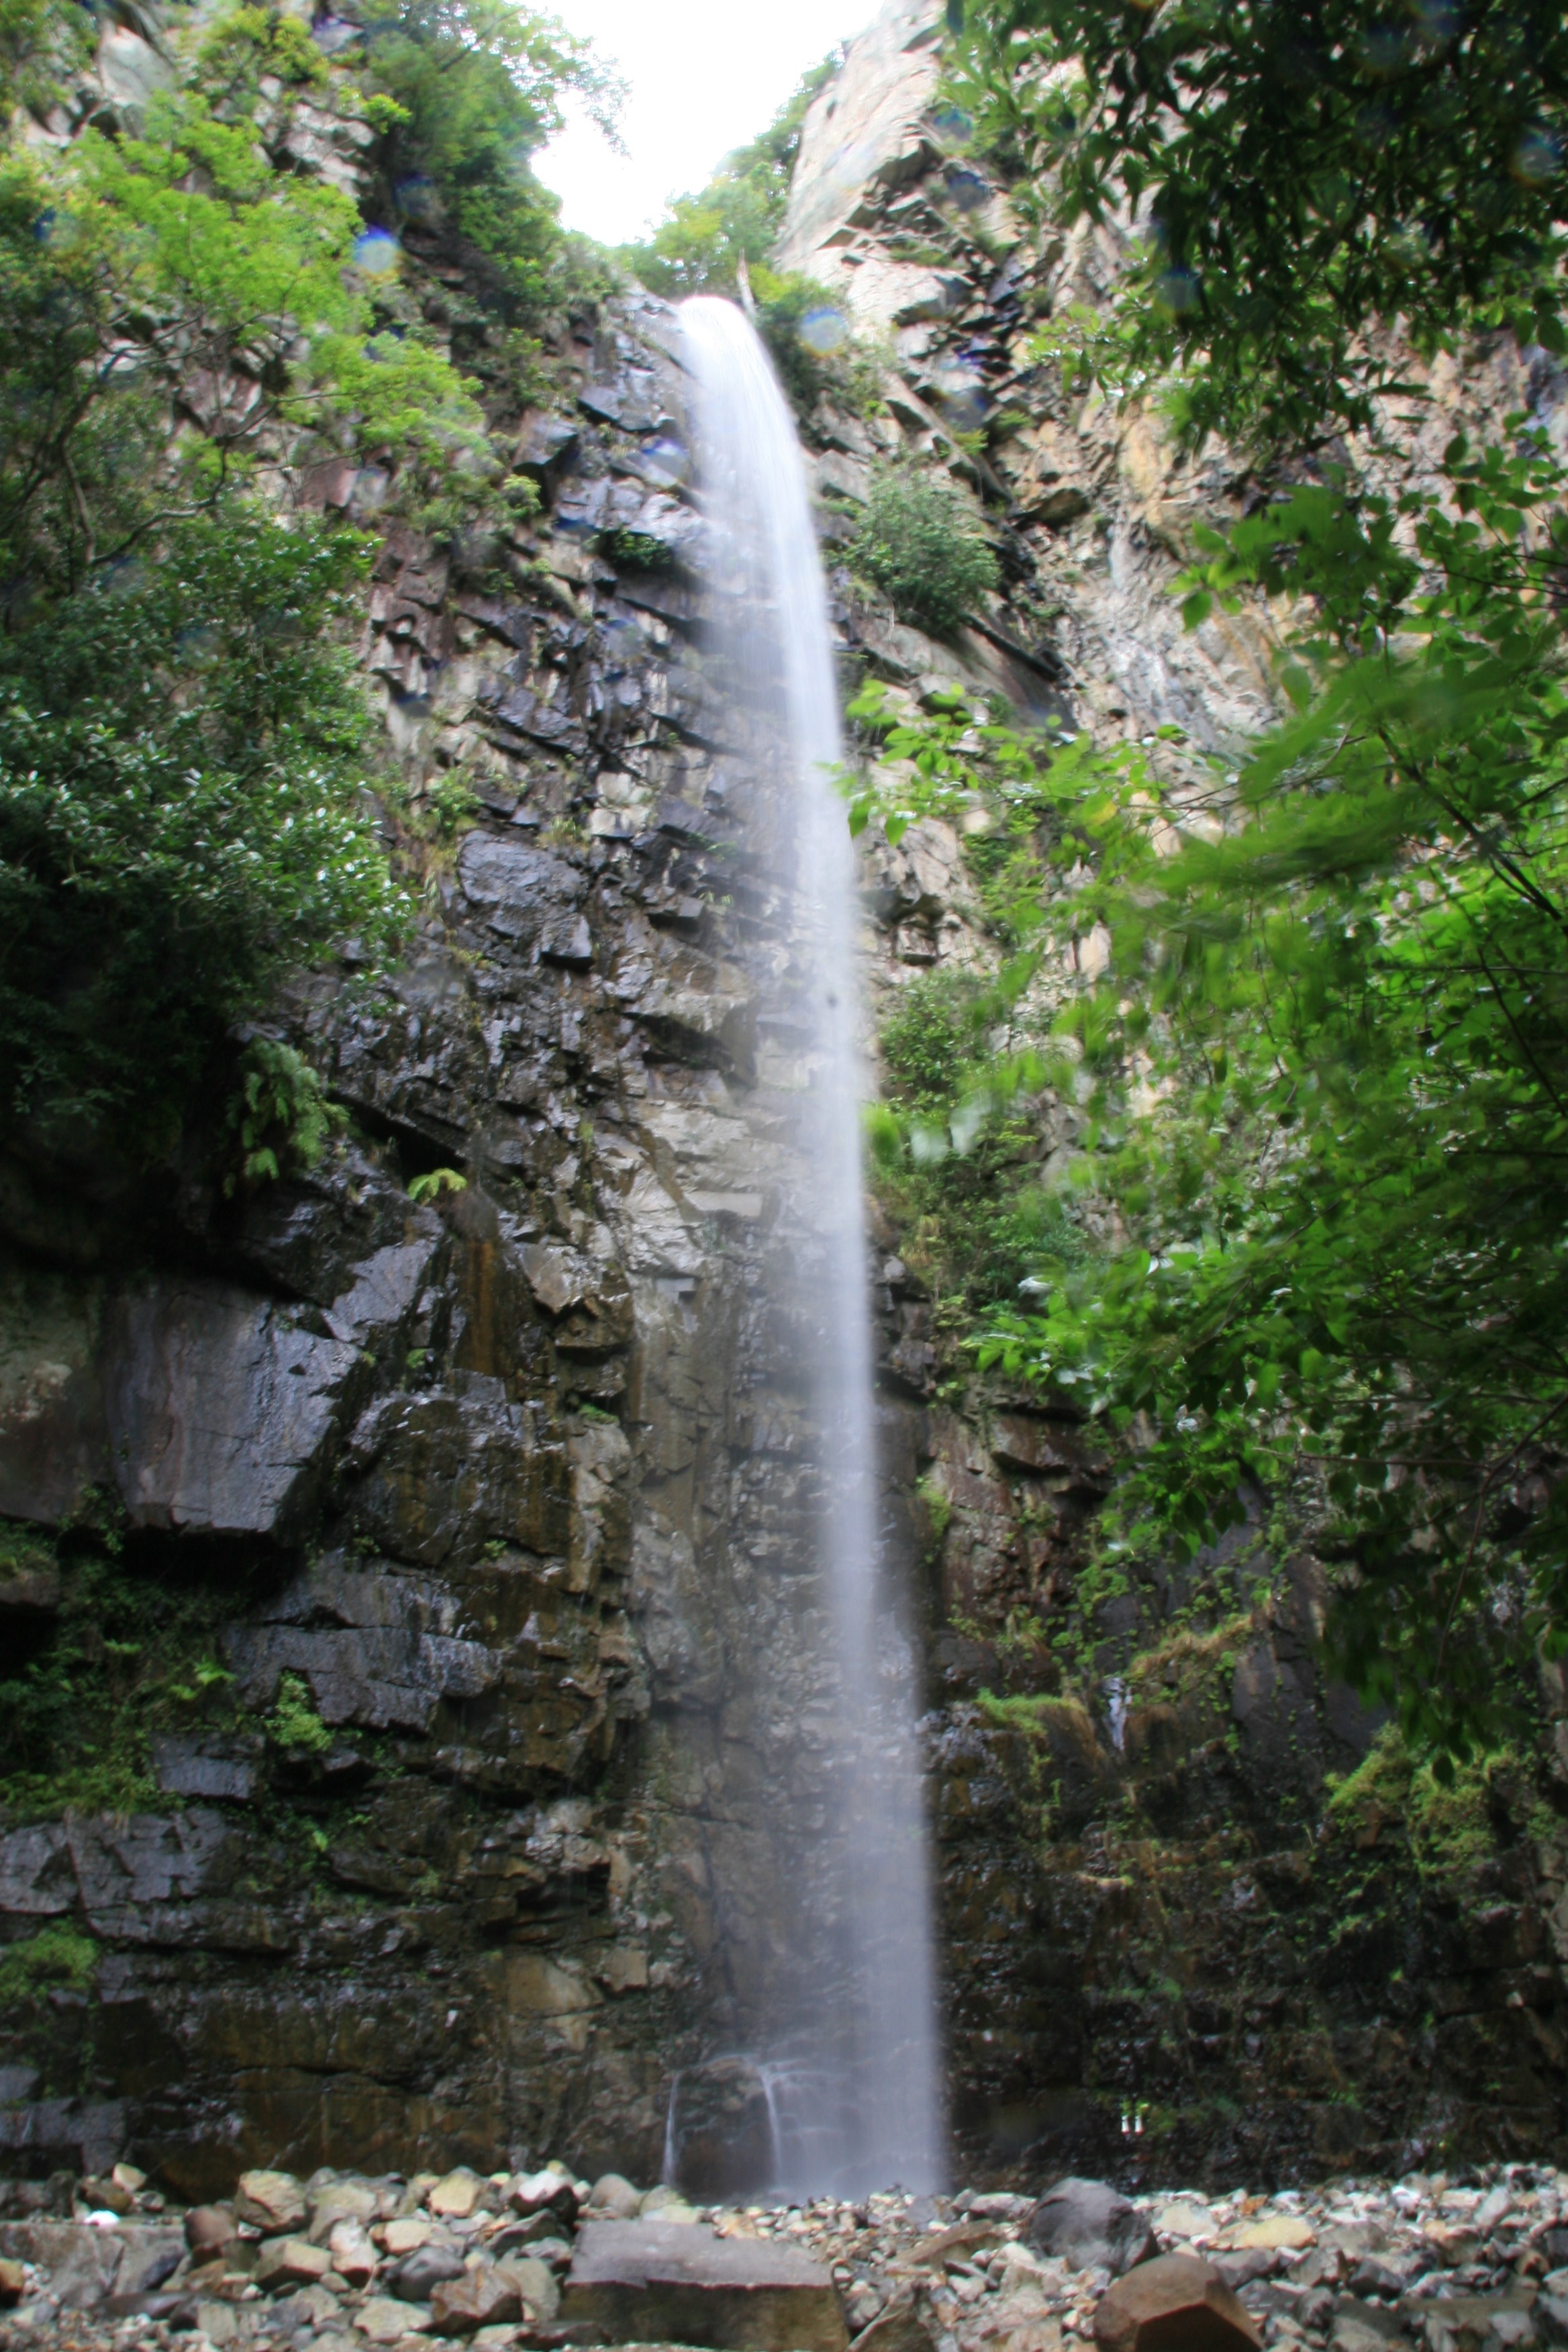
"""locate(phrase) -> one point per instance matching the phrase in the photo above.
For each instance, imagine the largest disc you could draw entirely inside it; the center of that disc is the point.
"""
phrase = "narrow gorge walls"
(406, 1586)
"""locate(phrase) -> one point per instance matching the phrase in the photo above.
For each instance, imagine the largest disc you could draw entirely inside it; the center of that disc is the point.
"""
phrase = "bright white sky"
(704, 76)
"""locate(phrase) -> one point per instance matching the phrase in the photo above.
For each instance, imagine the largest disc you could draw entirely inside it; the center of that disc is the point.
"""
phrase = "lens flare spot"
(415, 197)
(823, 332)
(966, 189)
(1176, 291)
(1537, 159)
(377, 253)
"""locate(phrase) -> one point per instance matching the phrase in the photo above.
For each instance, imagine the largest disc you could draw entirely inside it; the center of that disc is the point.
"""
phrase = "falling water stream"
(850, 2064)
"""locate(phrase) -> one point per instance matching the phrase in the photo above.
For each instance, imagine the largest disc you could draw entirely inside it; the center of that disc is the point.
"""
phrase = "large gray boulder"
(676, 2283)
(1091, 2226)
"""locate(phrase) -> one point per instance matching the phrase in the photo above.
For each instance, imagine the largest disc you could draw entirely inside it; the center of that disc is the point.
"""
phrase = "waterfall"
(848, 2053)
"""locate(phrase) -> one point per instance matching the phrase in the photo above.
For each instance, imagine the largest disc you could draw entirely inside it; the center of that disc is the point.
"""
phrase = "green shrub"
(128, 1654)
(936, 1029)
(293, 1722)
(181, 816)
(279, 1119)
(479, 86)
(922, 544)
(55, 1955)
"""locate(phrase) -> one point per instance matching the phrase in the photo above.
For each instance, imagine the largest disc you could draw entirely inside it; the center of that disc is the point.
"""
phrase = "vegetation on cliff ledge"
(1305, 1006)
(189, 322)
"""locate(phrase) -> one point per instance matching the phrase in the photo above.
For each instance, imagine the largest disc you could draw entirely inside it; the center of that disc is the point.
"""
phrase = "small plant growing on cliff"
(55, 1958)
(922, 544)
(279, 1119)
(293, 1722)
(434, 1182)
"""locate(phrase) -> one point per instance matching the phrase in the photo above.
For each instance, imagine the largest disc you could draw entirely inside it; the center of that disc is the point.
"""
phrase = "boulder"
(457, 2197)
(12, 2280)
(150, 2252)
(614, 2198)
(1087, 2225)
(655, 2281)
(403, 2235)
(535, 2282)
(547, 2191)
(418, 2275)
(487, 2297)
(273, 2201)
(1175, 2304)
(81, 2263)
(343, 2201)
(292, 2261)
(353, 2257)
(207, 2233)
(899, 2328)
(1289, 2230)
(381, 2321)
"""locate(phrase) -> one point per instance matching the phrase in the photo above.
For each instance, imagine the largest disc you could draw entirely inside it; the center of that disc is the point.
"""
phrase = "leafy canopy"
(1318, 1099)
(179, 822)
(1298, 176)
(922, 541)
(477, 87)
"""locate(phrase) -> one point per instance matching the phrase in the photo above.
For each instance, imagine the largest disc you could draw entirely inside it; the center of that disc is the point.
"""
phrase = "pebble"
(1429, 2263)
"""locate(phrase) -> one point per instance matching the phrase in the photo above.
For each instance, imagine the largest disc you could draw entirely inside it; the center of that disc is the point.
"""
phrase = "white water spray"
(851, 2067)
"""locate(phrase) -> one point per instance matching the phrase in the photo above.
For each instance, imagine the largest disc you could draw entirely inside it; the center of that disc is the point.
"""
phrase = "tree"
(1323, 1084)
(1299, 179)
(478, 87)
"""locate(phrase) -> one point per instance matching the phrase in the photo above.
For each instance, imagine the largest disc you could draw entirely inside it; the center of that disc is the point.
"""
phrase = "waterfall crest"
(846, 2032)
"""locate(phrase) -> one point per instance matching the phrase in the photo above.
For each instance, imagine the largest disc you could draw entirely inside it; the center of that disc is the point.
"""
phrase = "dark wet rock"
(138, 1878)
(631, 401)
(530, 898)
(377, 1677)
(721, 2130)
(219, 1407)
(653, 2282)
(209, 1768)
(36, 1877)
(51, 1399)
(542, 441)
(443, 1474)
(1176, 2303)
(1091, 2226)
(418, 2274)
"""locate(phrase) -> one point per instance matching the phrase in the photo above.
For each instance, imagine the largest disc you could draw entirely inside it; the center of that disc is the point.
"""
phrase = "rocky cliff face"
(426, 1576)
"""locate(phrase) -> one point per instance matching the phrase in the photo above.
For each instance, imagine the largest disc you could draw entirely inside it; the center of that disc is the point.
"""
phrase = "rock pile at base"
(1477, 2263)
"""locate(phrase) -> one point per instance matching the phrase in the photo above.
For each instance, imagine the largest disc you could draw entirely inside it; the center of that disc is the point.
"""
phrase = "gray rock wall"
(447, 1829)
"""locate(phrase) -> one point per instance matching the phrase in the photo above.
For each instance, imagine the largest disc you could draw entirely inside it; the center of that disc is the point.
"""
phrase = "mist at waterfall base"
(848, 2056)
